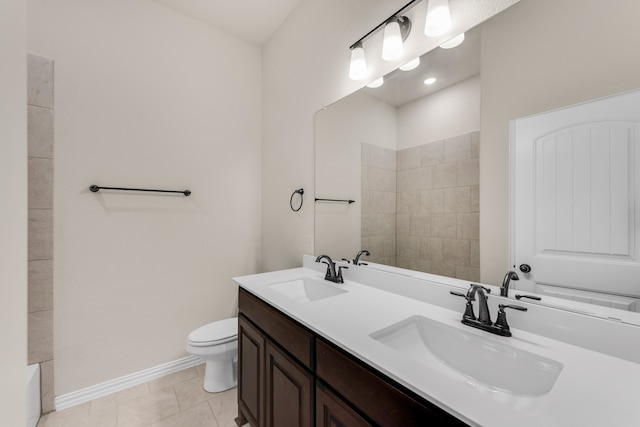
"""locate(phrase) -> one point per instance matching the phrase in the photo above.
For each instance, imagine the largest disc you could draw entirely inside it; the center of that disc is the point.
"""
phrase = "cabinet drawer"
(298, 341)
(385, 403)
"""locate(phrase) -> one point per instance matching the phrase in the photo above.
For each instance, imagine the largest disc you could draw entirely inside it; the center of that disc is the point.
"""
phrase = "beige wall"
(13, 214)
(146, 98)
(540, 55)
(305, 68)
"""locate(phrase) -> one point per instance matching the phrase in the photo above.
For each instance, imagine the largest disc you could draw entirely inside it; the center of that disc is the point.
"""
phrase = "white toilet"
(217, 344)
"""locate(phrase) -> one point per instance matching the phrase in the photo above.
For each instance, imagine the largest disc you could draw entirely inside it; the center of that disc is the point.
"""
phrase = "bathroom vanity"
(315, 353)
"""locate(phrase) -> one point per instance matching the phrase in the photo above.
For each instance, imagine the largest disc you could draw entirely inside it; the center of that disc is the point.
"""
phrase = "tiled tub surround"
(581, 394)
(436, 206)
(379, 203)
(40, 165)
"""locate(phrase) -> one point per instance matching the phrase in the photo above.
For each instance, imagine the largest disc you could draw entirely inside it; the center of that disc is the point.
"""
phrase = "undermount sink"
(494, 364)
(306, 289)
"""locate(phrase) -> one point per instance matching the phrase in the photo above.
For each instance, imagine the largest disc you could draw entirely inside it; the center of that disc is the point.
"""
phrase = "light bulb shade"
(376, 83)
(411, 65)
(454, 42)
(358, 66)
(392, 47)
(438, 18)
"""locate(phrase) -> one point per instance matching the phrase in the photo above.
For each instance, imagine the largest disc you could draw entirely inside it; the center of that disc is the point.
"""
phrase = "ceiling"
(254, 21)
(449, 66)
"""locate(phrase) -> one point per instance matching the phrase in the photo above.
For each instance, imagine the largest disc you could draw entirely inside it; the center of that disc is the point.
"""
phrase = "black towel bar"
(335, 201)
(95, 188)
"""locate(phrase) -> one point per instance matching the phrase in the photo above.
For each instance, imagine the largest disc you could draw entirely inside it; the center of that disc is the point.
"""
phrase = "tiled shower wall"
(438, 207)
(421, 206)
(40, 159)
(378, 229)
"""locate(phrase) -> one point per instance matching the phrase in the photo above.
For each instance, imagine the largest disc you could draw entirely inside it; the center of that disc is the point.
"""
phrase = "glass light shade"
(376, 83)
(454, 42)
(411, 64)
(438, 18)
(358, 66)
(392, 47)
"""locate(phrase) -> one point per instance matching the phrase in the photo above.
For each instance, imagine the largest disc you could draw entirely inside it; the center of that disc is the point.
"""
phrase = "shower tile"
(40, 234)
(40, 183)
(457, 148)
(468, 172)
(431, 201)
(443, 269)
(40, 285)
(475, 144)
(444, 225)
(444, 175)
(420, 224)
(46, 387)
(434, 249)
(40, 336)
(40, 132)
(382, 158)
(402, 224)
(432, 153)
(408, 158)
(456, 251)
(457, 199)
(475, 198)
(39, 81)
(475, 254)
(468, 226)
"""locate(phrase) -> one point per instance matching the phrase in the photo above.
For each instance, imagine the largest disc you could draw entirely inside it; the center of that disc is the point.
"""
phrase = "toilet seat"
(215, 333)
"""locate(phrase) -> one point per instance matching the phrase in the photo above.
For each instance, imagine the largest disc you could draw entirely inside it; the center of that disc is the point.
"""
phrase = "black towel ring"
(300, 192)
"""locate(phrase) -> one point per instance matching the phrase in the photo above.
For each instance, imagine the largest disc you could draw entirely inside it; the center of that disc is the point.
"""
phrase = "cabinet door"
(331, 411)
(289, 389)
(251, 347)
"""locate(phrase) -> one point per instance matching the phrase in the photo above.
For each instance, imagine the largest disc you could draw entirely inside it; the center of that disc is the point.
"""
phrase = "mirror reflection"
(408, 151)
(409, 157)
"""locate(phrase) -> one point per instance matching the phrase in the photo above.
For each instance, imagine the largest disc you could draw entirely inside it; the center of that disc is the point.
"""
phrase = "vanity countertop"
(593, 389)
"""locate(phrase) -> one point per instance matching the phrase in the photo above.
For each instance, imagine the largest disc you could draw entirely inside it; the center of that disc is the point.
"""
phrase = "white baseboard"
(99, 390)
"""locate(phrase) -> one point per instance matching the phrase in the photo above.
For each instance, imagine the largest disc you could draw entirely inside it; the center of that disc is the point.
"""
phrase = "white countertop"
(593, 389)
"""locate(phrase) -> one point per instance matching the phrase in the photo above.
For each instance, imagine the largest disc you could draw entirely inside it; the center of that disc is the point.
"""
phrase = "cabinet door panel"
(384, 402)
(289, 390)
(251, 347)
(286, 332)
(331, 411)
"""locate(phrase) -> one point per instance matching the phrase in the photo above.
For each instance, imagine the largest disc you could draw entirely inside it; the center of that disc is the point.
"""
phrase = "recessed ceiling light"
(376, 83)
(430, 81)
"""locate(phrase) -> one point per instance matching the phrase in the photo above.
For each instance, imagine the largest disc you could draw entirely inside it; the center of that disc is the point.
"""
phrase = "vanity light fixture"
(411, 65)
(438, 18)
(358, 67)
(396, 30)
(376, 83)
(454, 42)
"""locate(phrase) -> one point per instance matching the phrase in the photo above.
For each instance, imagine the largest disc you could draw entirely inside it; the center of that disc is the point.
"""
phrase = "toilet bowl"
(217, 344)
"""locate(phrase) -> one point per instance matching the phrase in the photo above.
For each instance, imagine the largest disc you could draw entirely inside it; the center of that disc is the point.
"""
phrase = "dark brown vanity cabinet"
(275, 378)
(288, 377)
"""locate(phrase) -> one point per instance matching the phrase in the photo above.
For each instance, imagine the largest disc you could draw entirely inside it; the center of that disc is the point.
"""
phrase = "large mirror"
(409, 154)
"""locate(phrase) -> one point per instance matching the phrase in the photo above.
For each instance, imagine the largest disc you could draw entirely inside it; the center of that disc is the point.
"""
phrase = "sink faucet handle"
(468, 310)
(501, 321)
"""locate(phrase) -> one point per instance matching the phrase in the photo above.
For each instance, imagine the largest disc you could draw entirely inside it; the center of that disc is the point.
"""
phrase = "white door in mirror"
(575, 191)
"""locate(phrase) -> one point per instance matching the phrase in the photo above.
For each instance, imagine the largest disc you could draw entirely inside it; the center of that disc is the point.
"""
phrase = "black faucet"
(504, 289)
(332, 275)
(356, 260)
(483, 321)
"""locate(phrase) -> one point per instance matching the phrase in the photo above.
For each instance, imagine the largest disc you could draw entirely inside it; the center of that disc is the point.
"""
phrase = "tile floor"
(176, 400)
